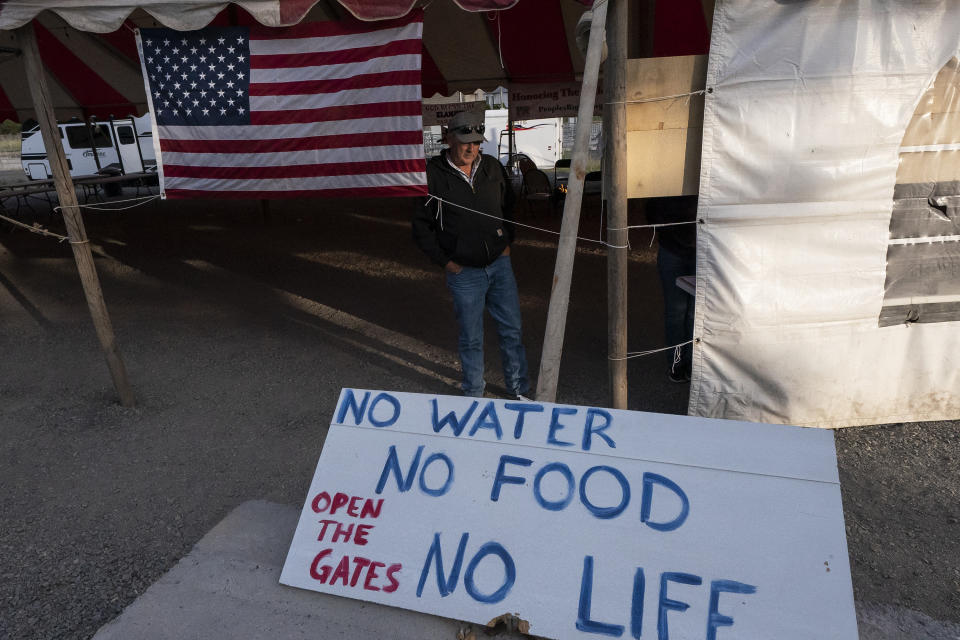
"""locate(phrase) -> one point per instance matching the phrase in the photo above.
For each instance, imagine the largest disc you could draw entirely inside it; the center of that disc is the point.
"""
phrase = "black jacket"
(451, 232)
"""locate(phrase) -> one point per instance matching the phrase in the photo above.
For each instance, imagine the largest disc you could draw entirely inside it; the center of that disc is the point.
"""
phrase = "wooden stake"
(563, 271)
(71, 212)
(615, 172)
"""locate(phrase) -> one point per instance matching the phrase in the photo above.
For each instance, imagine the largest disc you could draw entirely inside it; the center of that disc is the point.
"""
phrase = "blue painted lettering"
(584, 623)
(649, 479)
(445, 584)
(636, 605)
(394, 415)
(596, 424)
(393, 465)
(349, 402)
(717, 619)
(522, 409)
(553, 505)
(605, 513)
(456, 425)
(589, 430)
(446, 485)
(502, 479)
(555, 498)
(488, 420)
(667, 605)
(509, 573)
(556, 426)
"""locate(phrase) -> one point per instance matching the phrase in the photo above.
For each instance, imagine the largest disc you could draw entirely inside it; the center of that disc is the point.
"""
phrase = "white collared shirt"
(463, 174)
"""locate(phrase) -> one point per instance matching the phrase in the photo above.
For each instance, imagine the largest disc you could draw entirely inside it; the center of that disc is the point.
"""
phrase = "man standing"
(677, 257)
(465, 230)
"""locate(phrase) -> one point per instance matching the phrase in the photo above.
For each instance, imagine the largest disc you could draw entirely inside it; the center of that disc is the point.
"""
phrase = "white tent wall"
(808, 104)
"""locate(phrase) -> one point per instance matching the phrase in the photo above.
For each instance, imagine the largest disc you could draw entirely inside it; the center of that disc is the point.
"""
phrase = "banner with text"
(581, 521)
(435, 113)
(559, 100)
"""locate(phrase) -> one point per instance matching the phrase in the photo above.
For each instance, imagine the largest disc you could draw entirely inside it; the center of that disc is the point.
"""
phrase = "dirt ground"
(238, 333)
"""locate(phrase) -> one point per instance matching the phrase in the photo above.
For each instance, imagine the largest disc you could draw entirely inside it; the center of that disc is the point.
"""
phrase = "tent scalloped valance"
(91, 54)
(108, 16)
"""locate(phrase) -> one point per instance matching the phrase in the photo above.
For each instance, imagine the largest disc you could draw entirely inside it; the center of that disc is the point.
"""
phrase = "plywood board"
(929, 166)
(930, 150)
(937, 116)
(663, 132)
(665, 162)
(933, 128)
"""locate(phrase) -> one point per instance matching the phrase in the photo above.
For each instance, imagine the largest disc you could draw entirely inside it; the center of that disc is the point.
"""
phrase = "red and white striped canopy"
(89, 51)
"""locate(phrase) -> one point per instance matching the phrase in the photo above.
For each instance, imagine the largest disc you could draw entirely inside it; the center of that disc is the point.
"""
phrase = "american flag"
(321, 109)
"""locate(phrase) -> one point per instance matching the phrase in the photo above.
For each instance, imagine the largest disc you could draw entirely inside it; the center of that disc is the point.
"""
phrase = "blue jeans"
(678, 305)
(495, 288)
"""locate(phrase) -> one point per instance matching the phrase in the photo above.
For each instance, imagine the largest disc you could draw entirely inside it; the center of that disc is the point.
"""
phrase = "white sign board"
(558, 100)
(584, 522)
(441, 113)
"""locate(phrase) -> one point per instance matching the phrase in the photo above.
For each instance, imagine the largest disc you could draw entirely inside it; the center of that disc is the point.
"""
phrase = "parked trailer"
(540, 140)
(113, 147)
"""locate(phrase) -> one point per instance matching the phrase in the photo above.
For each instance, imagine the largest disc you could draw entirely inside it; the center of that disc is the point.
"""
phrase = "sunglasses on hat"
(467, 130)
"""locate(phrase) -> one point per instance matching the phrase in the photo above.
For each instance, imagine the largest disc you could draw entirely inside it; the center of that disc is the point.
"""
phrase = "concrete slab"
(227, 587)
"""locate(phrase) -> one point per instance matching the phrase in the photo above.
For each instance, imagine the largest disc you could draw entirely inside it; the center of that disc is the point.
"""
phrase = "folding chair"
(536, 188)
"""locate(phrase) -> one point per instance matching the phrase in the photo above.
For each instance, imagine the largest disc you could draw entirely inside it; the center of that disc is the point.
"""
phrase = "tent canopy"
(90, 52)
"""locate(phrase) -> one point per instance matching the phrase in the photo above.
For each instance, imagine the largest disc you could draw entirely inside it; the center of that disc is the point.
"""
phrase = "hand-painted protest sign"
(585, 522)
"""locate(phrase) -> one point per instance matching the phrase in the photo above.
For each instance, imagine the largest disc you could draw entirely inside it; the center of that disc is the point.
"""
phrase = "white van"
(116, 146)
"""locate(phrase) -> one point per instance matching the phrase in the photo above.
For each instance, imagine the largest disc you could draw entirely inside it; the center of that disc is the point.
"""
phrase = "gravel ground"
(238, 334)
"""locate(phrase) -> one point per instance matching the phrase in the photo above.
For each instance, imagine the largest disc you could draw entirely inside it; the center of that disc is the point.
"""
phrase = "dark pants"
(678, 305)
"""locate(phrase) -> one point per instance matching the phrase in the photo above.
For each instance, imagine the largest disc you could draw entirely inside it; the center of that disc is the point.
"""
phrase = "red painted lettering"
(360, 537)
(323, 530)
(357, 506)
(342, 572)
(390, 588)
(339, 499)
(324, 571)
(372, 575)
(359, 565)
(322, 498)
(343, 532)
(356, 533)
(370, 510)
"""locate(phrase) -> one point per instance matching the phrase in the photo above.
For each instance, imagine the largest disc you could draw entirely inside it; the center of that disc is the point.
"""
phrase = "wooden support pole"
(563, 271)
(615, 172)
(511, 161)
(40, 93)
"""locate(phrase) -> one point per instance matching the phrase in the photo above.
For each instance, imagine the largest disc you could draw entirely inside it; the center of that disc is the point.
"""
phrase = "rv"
(110, 147)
